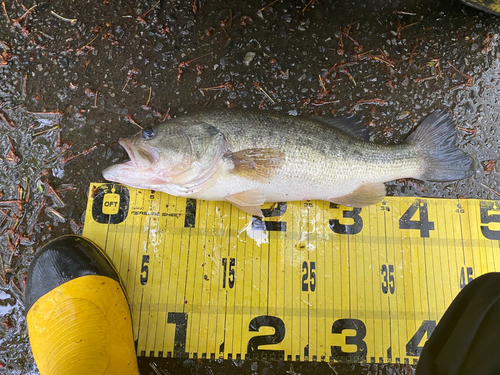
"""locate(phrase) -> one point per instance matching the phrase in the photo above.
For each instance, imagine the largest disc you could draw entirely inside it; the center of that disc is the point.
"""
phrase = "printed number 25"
(308, 274)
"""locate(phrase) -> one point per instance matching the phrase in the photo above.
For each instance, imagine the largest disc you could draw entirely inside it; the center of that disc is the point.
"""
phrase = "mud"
(70, 88)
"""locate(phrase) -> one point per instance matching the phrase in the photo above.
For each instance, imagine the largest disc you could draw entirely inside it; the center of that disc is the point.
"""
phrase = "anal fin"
(248, 201)
(365, 195)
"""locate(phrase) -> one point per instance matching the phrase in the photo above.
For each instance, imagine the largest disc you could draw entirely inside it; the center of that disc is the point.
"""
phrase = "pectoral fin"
(258, 164)
(365, 195)
(248, 201)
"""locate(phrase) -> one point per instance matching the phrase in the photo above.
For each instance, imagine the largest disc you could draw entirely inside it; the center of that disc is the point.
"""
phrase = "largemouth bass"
(248, 158)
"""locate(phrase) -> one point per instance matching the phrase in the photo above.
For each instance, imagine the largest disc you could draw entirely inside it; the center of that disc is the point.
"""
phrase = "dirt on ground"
(75, 76)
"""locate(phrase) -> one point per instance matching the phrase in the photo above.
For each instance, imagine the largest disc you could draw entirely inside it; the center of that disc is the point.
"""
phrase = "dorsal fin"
(351, 125)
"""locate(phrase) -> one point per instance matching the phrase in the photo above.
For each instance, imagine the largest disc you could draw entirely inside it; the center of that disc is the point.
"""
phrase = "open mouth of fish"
(139, 158)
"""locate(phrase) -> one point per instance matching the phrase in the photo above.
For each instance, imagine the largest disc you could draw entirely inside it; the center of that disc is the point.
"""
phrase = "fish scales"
(316, 153)
(252, 157)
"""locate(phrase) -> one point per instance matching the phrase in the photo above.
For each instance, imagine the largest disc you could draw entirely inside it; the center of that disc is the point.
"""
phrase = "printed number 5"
(144, 269)
(488, 217)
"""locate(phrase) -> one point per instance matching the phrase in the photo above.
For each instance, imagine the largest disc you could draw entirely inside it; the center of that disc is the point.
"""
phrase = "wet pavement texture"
(75, 76)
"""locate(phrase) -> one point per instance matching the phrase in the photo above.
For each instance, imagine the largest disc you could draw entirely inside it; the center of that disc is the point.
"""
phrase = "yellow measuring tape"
(312, 281)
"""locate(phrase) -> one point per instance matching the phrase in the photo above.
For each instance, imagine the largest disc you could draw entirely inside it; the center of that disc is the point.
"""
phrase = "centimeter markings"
(312, 281)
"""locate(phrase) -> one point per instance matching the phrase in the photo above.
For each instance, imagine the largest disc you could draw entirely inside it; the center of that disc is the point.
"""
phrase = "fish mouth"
(140, 158)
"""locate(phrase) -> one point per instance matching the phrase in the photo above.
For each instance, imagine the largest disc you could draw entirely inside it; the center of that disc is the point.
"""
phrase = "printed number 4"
(423, 225)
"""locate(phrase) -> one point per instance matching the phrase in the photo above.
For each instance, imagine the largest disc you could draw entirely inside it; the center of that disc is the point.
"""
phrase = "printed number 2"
(388, 278)
(144, 270)
(279, 226)
(278, 336)
(423, 225)
(308, 273)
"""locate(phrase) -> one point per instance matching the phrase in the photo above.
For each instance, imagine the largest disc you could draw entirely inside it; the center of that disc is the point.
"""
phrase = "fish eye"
(148, 133)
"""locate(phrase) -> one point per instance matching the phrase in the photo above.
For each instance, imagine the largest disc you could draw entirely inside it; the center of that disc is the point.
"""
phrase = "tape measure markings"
(332, 284)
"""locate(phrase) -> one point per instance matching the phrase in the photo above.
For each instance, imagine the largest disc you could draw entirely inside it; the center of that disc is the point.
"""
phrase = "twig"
(469, 81)
(376, 101)
(337, 66)
(149, 98)
(141, 17)
(186, 64)
(467, 130)
(265, 93)
(226, 86)
(411, 60)
(403, 12)
(322, 83)
(311, 2)
(45, 131)
(268, 5)
(490, 189)
(167, 114)
(71, 20)
(129, 119)
(84, 152)
(5, 10)
(89, 42)
(25, 13)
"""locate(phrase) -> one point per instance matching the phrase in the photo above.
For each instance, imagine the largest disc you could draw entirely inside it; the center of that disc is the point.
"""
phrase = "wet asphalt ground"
(75, 76)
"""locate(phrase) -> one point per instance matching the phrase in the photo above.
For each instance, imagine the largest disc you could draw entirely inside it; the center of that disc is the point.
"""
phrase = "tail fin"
(435, 137)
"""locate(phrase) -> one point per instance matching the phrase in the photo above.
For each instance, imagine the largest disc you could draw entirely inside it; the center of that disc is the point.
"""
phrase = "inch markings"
(309, 281)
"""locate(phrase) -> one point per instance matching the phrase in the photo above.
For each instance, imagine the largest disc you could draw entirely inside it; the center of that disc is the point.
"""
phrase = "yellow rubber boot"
(77, 311)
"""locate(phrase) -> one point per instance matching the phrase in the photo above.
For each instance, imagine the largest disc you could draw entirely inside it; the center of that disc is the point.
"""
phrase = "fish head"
(158, 155)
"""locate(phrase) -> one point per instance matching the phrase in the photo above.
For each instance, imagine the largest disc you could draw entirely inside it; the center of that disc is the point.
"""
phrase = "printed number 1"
(180, 320)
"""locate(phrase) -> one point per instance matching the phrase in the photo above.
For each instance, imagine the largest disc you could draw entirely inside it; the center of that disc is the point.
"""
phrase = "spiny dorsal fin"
(351, 125)
(256, 163)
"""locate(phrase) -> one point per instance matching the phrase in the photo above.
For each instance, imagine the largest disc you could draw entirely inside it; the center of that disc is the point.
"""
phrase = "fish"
(250, 157)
